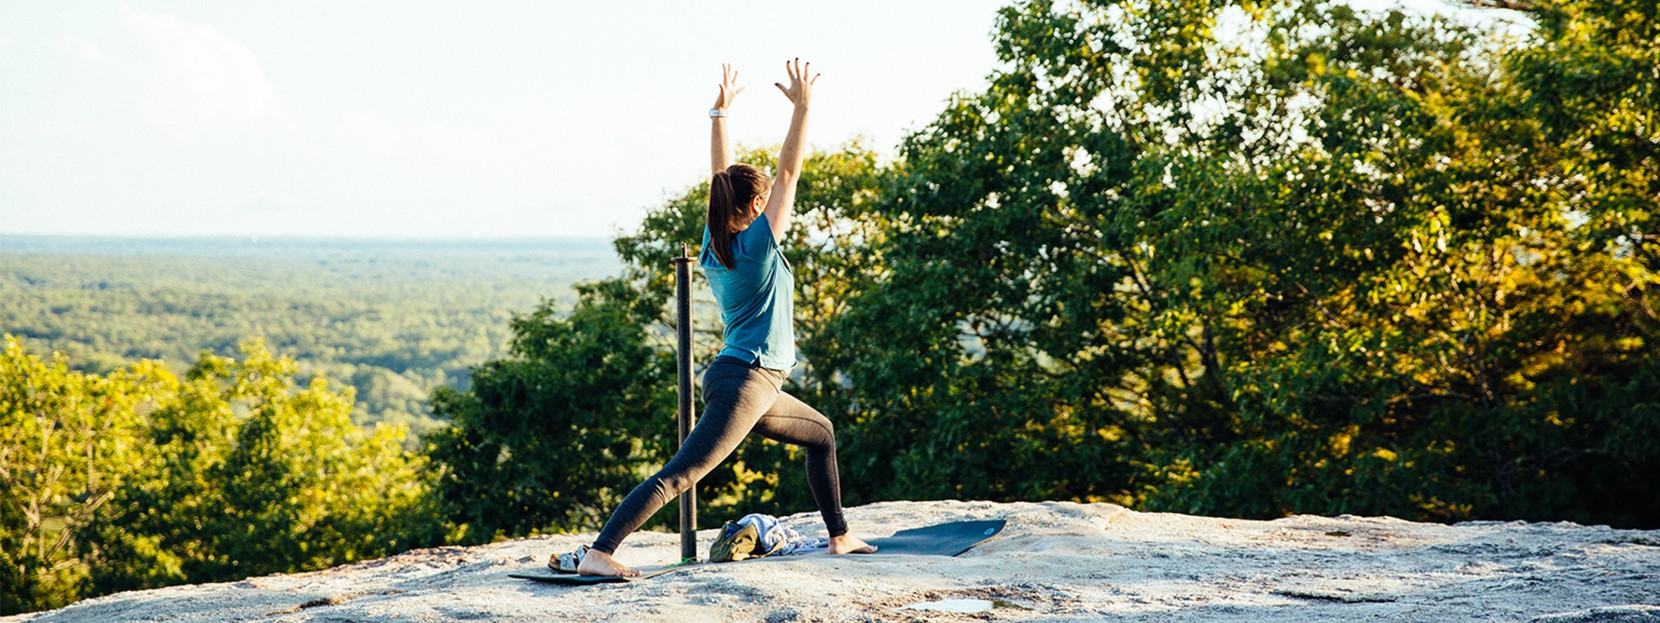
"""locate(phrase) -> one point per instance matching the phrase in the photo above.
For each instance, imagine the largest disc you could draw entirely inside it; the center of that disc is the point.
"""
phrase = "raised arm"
(720, 150)
(782, 199)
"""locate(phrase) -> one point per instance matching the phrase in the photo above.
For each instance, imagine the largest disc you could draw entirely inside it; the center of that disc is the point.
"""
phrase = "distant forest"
(392, 319)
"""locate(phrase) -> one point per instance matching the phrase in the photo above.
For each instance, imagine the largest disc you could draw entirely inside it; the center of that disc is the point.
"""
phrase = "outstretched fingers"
(800, 85)
(797, 73)
(729, 88)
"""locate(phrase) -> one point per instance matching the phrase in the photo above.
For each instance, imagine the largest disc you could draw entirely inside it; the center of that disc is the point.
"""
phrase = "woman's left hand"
(801, 87)
(729, 88)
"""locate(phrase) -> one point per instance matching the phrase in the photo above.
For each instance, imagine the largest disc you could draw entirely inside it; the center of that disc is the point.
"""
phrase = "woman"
(741, 388)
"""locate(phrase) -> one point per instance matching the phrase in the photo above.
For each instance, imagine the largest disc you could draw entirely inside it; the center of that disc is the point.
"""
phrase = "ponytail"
(720, 217)
(729, 190)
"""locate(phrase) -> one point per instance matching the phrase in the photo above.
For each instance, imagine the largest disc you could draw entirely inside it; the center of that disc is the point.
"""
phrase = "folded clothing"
(776, 539)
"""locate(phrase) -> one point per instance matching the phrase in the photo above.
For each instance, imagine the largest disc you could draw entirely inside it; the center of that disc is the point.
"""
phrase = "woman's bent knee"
(670, 486)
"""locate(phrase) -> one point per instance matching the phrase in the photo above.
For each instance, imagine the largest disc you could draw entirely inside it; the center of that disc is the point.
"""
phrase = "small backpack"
(754, 536)
(735, 542)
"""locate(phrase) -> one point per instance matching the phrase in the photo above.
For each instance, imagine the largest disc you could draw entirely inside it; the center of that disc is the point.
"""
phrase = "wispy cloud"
(203, 81)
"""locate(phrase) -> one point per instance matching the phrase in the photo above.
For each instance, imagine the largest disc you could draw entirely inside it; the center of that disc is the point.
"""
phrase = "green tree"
(1262, 258)
(136, 479)
(68, 443)
(559, 431)
(253, 474)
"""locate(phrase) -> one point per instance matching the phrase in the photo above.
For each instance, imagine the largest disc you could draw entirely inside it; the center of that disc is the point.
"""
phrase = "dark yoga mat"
(946, 539)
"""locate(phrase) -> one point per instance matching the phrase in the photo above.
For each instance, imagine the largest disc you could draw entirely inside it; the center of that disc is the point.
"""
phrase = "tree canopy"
(140, 479)
(1256, 259)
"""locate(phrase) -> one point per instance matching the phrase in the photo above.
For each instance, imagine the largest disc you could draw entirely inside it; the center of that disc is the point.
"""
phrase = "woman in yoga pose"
(748, 215)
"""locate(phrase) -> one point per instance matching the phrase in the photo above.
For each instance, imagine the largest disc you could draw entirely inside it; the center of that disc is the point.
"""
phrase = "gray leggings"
(737, 398)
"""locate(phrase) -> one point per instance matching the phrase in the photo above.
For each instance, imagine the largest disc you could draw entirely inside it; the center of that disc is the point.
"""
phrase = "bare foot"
(600, 563)
(848, 544)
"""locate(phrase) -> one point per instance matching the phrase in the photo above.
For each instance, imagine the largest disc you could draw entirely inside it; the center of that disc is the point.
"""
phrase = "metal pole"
(683, 305)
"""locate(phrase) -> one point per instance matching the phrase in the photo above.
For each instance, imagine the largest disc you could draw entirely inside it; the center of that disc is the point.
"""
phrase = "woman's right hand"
(729, 88)
(801, 88)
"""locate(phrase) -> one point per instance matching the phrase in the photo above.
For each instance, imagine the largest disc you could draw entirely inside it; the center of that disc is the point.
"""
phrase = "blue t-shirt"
(756, 297)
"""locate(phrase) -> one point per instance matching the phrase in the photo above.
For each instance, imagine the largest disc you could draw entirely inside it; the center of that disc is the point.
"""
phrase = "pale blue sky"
(431, 119)
(378, 118)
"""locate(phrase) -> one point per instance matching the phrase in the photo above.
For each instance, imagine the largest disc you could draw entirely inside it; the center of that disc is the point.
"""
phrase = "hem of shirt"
(753, 357)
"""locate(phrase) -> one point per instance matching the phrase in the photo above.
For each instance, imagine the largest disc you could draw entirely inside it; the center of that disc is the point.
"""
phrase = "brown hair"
(729, 191)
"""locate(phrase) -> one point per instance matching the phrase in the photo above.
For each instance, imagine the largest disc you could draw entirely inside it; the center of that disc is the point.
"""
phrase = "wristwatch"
(716, 112)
